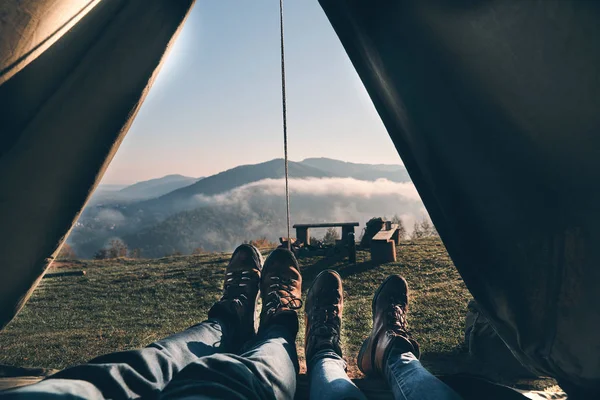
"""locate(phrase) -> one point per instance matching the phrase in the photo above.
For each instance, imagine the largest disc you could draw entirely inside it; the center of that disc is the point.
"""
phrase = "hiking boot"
(280, 286)
(324, 307)
(237, 307)
(390, 305)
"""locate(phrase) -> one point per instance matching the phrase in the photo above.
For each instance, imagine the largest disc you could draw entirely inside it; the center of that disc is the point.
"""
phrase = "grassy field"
(124, 304)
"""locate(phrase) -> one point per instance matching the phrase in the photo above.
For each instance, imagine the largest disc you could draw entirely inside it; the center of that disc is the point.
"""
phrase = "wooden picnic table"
(303, 230)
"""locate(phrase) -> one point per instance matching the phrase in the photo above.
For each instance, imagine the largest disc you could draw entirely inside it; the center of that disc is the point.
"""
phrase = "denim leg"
(328, 379)
(129, 374)
(409, 380)
(266, 371)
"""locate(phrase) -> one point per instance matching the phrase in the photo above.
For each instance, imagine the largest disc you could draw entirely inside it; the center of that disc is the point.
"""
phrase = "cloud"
(108, 215)
(325, 199)
(337, 186)
(344, 187)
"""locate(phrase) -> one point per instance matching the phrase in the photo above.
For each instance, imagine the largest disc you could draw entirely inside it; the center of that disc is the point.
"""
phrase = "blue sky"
(217, 101)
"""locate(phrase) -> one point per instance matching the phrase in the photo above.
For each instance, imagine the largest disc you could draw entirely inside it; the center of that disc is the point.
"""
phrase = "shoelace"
(275, 300)
(325, 321)
(234, 283)
(397, 318)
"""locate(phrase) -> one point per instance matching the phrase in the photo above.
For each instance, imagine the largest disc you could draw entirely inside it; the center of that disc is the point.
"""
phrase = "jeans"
(191, 364)
(194, 364)
(328, 379)
(409, 380)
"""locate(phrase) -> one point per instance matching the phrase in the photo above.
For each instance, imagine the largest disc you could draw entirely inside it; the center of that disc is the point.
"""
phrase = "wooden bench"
(383, 244)
(303, 230)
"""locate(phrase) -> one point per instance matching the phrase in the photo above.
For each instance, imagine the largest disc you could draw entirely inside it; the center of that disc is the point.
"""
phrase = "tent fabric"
(493, 107)
(73, 75)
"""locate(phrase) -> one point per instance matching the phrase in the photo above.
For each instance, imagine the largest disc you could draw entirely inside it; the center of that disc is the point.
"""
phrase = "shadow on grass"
(337, 263)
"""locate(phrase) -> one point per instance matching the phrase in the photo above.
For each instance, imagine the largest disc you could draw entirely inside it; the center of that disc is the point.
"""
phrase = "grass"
(125, 304)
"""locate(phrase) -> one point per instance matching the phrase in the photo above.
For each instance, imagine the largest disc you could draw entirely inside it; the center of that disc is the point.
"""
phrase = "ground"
(124, 304)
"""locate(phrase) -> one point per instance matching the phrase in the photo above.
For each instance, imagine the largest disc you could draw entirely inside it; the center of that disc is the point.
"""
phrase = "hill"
(183, 199)
(243, 203)
(155, 210)
(256, 211)
(366, 172)
(157, 187)
(107, 194)
(209, 228)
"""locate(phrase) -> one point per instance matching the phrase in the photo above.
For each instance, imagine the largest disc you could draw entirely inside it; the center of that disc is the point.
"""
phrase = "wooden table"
(303, 230)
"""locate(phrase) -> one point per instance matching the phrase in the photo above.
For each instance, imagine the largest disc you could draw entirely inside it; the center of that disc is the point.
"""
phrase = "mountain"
(252, 205)
(109, 194)
(255, 211)
(110, 187)
(212, 228)
(157, 187)
(366, 172)
(184, 198)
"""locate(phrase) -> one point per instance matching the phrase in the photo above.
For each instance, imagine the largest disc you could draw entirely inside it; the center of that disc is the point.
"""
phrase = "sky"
(216, 102)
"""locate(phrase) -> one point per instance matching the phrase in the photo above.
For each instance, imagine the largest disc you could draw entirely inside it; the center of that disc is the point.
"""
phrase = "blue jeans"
(408, 379)
(191, 364)
(328, 379)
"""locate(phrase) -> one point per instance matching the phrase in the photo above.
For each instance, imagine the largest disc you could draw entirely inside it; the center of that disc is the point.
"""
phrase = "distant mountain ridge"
(366, 172)
(178, 200)
(183, 198)
(192, 214)
(140, 191)
(158, 187)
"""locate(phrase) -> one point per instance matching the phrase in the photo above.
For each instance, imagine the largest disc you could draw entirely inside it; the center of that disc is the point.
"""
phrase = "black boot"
(390, 305)
(324, 308)
(237, 307)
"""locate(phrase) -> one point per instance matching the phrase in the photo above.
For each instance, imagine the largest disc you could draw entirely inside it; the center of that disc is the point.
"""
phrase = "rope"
(285, 141)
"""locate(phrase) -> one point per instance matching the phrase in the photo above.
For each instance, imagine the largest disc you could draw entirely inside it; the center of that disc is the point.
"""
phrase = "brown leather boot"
(390, 305)
(237, 306)
(324, 308)
(280, 286)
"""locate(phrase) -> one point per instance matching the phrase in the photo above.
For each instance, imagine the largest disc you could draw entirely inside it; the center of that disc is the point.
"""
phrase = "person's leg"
(391, 352)
(328, 378)
(326, 367)
(267, 370)
(409, 380)
(128, 374)
(147, 371)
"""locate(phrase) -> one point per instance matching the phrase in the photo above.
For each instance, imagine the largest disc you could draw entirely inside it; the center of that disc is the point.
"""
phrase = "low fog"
(251, 211)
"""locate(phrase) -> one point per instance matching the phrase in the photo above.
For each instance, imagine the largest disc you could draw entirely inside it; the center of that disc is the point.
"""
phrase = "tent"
(492, 105)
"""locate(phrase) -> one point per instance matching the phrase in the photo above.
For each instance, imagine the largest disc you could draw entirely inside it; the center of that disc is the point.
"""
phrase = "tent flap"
(63, 113)
(493, 106)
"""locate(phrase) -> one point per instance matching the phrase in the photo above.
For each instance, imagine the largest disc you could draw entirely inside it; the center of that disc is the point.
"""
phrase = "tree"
(198, 250)
(262, 243)
(423, 228)
(117, 248)
(101, 254)
(401, 229)
(135, 253)
(426, 227)
(331, 235)
(66, 253)
(417, 232)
